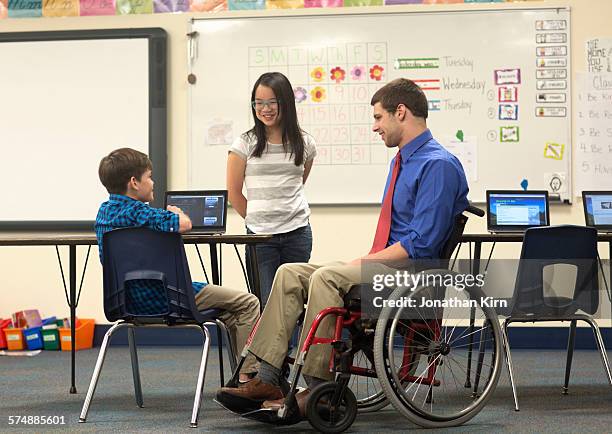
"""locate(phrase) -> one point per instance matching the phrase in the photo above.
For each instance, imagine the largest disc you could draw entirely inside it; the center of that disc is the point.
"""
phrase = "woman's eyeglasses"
(259, 104)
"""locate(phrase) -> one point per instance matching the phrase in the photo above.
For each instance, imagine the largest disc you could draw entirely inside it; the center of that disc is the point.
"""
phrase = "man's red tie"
(383, 229)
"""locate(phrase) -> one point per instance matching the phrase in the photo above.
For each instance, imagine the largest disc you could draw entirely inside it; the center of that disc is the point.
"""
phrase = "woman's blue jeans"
(294, 246)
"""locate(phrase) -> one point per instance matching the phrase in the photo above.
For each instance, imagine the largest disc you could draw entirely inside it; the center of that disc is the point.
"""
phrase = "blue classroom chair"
(141, 253)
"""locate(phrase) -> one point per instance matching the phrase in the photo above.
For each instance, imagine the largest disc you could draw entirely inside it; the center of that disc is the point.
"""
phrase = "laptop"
(207, 209)
(598, 209)
(516, 210)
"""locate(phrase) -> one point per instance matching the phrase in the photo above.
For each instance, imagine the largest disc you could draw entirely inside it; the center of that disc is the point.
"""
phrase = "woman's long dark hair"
(290, 128)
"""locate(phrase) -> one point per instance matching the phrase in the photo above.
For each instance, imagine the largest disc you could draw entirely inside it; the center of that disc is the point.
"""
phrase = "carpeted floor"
(39, 385)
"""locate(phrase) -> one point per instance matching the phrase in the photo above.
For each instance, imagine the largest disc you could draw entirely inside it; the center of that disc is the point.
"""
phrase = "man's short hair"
(402, 91)
(118, 167)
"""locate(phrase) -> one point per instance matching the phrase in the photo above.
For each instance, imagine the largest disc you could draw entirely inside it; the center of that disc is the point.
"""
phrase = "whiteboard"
(497, 81)
(68, 99)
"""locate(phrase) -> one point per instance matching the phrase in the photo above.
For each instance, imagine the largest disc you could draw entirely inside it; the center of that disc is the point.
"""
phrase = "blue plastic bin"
(33, 335)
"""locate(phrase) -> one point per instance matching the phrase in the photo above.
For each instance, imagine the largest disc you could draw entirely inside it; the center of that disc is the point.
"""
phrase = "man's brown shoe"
(254, 389)
(300, 397)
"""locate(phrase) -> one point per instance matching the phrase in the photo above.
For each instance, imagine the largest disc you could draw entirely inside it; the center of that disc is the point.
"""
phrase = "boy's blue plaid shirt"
(146, 297)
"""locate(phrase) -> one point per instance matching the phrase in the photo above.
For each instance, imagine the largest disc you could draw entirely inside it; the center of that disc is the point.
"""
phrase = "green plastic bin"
(50, 336)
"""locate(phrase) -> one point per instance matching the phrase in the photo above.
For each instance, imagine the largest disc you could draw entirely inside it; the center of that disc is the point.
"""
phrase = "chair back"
(453, 240)
(545, 246)
(141, 253)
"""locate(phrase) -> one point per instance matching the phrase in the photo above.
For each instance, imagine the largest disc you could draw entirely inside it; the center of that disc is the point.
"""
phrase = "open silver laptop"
(207, 209)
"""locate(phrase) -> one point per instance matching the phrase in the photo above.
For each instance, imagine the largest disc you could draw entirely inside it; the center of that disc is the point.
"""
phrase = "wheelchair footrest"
(270, 415)
(237, 404)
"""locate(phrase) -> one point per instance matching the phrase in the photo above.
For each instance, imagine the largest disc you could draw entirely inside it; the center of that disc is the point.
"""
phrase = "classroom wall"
(30, 277)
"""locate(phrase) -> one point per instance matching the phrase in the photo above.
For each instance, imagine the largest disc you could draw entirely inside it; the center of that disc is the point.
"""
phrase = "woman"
(273, 160)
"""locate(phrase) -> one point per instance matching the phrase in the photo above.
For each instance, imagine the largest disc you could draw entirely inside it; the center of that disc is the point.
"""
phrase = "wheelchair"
(416, 356)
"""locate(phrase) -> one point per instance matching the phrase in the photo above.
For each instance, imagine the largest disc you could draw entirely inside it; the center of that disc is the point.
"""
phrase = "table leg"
(254, 274)
(214, 263)
(72, 304)
(475, 271)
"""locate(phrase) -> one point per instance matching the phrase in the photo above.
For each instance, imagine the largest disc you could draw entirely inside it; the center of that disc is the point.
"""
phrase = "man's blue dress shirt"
(431, 189)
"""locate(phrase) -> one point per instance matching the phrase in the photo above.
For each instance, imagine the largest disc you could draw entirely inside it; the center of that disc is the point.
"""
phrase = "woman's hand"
(236, 168)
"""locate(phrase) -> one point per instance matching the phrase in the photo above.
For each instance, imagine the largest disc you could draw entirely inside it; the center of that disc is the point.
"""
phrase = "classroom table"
(479, 239)
(74, 239)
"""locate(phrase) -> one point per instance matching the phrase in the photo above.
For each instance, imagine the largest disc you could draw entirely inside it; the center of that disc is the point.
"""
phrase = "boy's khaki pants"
(241, 310)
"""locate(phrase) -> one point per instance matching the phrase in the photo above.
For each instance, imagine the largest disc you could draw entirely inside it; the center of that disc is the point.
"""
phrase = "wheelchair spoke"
(407, 365)
(410, 327)
(466, 357)
(421, 376)
(366, 389)
(466, 345)
(461, 390)
(426, 322)
(450, 369)
(469, 334)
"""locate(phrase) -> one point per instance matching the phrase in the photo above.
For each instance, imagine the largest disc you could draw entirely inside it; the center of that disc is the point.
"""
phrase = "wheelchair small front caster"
(330, 412)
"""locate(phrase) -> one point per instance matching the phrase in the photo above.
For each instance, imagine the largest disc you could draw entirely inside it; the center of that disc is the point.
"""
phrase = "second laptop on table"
(516, 210)
(598, 209)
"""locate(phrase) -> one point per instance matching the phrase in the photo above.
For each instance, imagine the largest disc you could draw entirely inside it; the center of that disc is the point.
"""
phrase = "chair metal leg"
(506, 343)
(202, 373)
(135, 368)
(600, 345)
(98, 368)
(228, 344)
(220, 353)
(570, 353)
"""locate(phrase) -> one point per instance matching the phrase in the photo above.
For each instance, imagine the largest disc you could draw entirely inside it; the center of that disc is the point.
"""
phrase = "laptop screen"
(516, 210)
(206, 209)
(598, 209)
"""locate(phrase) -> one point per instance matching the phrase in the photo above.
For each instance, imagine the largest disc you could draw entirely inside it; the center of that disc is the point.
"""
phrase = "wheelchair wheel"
(434, 368)
(328, 418)
(367, 390)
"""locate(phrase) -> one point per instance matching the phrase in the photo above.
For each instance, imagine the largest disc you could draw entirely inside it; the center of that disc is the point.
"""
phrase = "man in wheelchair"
(425, 189)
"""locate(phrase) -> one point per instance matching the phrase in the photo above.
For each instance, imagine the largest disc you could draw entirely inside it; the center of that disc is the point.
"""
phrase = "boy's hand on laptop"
(184, 220)
(174, 209)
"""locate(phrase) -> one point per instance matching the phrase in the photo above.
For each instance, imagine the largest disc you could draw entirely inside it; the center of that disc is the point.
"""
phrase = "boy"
(126, 174)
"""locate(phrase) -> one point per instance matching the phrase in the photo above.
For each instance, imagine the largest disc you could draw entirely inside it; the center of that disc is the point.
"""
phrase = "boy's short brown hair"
(118, 167)
(402, 91)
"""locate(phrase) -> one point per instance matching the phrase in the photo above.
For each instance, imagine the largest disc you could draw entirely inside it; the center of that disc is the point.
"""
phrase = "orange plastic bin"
(84, 335)
(14, 339)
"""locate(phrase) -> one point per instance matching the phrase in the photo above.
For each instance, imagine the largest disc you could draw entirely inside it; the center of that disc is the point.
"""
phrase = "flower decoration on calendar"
(376, 72)
(337, 74)
(358, 72)
(317, 94)
(300, 94)
(317, 74)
